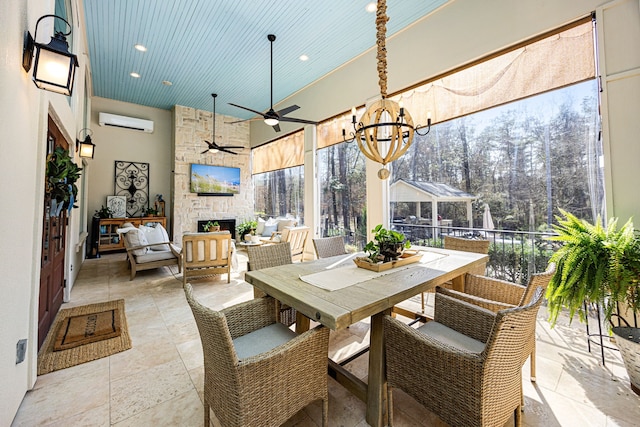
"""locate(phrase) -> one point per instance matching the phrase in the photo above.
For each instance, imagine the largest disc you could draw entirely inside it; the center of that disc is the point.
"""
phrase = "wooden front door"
(54, 230)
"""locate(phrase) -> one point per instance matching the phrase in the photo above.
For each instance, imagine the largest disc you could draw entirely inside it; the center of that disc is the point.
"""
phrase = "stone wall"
(191, 127)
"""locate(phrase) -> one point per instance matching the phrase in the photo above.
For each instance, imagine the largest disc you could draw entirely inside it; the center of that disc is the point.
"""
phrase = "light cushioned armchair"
(206, 253)
(148, 247)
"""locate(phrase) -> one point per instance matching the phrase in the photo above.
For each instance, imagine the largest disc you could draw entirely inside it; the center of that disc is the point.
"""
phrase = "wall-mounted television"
(209, 180)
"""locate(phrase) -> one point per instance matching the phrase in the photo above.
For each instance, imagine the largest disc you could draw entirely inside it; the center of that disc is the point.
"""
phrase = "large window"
(525, 159)
(341, 178)
(280, 192)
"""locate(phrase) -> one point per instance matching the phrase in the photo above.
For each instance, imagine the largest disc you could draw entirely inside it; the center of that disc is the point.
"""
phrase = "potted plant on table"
(600, 265)
(150, 211)
(212, 226)
(246, 228)
(104, 212)
(387, 245)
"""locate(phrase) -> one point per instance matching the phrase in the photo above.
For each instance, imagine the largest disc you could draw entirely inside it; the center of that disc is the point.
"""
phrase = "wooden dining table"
(373, 296)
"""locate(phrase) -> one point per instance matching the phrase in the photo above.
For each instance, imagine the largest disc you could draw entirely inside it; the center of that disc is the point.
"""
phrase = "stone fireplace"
(228, 224)
(191, 128)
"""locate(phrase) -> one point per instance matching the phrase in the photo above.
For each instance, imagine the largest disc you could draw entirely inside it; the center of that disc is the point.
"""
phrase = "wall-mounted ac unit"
(106, 119)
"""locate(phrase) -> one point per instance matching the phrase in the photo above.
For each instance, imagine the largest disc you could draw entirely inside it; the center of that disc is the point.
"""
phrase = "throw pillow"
(154, 235)
(282, 223)
(135, 237)
(260, 226)
(269, 230)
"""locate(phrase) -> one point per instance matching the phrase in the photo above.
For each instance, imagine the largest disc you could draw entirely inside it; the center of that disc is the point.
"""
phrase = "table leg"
(377, 383)
(302, 323)
(458, 283)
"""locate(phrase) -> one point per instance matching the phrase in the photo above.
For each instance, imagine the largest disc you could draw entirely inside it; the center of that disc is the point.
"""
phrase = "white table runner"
(345, 273)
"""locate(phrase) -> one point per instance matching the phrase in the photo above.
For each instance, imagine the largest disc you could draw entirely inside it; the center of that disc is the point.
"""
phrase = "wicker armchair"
(465, 365)
(453, 243)
(495, 295)
(329, 246)
(248, 360)
(272, 256)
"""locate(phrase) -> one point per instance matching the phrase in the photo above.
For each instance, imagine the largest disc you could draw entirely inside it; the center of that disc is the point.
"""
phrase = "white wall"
(129, 145)
(23, 128)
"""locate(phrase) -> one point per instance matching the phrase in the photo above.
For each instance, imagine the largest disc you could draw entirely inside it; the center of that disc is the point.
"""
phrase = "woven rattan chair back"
(329, 246)
(267, 256)
(468, 245)
(539, 280)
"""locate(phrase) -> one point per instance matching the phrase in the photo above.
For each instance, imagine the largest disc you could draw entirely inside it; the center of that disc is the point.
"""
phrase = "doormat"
(87, 328)
(82, 334)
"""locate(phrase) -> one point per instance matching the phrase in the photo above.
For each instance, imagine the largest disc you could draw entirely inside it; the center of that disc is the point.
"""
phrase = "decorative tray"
(407, 257)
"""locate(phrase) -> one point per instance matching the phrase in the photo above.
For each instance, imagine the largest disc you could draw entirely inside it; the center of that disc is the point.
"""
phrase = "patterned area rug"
(82, 334)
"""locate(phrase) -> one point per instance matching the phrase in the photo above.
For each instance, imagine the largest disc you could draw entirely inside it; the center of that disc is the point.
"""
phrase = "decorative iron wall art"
(132, 181)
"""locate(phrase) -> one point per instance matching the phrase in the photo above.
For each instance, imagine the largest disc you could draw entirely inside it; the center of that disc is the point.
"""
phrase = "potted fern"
(387, 245)
(600, 265)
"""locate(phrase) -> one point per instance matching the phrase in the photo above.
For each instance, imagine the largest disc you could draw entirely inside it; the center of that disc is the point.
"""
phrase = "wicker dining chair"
(465, 366)
(496, 295)
(329, 246)
(266, 256)
(258, 372)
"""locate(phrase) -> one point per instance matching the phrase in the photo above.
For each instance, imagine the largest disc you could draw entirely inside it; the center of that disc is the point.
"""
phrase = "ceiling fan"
(213, 147)
(272, 117)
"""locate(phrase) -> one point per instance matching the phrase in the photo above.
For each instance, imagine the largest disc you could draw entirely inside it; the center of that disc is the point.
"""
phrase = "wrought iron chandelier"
(385, 130)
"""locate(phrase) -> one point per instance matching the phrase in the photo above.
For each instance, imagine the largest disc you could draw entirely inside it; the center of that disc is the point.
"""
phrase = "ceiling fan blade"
(205, 151)
(248, 109)
(232, 147)
(276, 128)
(287, 110)
(294, 120)
(227, 151)
(237, 121)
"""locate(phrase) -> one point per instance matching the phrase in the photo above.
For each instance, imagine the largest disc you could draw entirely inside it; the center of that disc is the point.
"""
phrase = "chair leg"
(325, 412)
(422, 301)
(517, 417)
(532, 361)
(206, 415)
(390, 406)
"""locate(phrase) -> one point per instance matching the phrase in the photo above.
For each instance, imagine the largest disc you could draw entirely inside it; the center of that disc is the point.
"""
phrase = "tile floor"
(159, 381)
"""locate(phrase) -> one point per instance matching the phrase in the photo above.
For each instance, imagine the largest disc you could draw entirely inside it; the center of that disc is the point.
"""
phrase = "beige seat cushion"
(262, 340)
(451, 337)
(154, 256)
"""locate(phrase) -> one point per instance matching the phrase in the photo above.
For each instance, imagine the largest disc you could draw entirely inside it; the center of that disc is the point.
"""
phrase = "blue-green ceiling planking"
(205, 46)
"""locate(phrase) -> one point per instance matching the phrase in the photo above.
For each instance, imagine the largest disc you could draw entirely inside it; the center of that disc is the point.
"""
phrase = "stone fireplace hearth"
(228, 224)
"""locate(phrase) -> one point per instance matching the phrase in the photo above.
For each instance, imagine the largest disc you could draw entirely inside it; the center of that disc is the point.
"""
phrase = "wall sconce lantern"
(54, 68)
(86, 147)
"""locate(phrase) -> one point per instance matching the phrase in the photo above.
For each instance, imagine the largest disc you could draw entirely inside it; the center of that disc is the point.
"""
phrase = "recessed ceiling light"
(166, 83)
(134, 74)
(371, 7)
(304, 58)
(140, 47)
